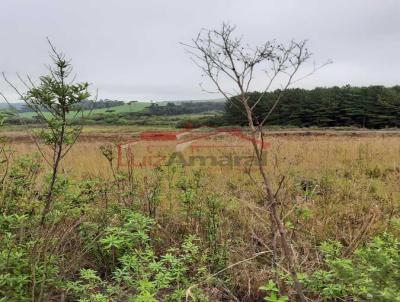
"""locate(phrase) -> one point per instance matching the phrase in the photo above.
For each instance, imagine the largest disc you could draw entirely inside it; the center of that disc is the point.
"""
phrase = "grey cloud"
(130, 49)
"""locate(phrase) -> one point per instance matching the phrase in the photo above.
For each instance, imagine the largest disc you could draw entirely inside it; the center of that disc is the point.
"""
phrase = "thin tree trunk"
(271, 204)
(49, 195)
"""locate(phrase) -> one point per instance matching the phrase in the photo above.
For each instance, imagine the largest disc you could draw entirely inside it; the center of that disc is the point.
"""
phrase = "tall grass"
(342, 188)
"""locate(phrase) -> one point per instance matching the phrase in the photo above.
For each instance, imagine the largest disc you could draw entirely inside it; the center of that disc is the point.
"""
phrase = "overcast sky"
(130, 49)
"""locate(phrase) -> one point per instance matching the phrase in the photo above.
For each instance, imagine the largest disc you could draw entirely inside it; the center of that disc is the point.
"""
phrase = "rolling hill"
(133, 107)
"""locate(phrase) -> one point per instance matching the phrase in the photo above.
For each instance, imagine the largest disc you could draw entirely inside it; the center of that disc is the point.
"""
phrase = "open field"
(104, 133)
(200, 151)
(333, 185)
(361, 169)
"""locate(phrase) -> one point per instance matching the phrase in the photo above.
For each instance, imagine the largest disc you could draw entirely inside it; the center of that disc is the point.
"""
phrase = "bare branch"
(219, 52)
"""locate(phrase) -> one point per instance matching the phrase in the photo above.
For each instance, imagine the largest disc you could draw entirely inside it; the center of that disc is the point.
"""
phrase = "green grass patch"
(134, 107)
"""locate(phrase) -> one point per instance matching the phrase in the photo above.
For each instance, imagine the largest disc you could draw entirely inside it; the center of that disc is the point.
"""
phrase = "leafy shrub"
(139, 274)
(196, 122)
(372, 274)
(24, 276)
(273, 292)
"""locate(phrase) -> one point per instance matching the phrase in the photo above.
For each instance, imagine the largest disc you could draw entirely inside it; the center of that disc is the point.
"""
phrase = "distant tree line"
(88, 105)
(84, 105)
(368, 107)
(184, 108)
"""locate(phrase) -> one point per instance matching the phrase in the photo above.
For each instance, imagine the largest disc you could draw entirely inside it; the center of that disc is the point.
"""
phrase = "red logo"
(202, 147)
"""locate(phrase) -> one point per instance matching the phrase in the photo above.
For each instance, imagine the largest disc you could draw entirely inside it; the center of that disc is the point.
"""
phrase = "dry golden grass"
(344, 187)
(308, 156)
(348, 176)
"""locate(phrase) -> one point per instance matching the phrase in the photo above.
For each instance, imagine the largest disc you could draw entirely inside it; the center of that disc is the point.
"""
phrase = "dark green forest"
(373, 107)
(365, 107)
(184, 108)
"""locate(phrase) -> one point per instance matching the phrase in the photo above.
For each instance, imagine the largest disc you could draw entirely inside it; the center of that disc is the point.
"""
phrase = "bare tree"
(55, 99)
(228, 62)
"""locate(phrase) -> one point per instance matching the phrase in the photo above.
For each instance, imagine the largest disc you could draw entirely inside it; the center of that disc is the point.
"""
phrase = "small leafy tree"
(53, 99)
